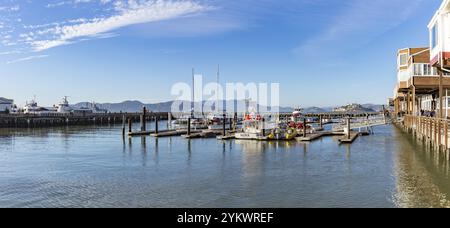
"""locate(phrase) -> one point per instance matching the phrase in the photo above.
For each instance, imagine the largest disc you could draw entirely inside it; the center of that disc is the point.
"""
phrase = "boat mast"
(217, 90)
(193, 93)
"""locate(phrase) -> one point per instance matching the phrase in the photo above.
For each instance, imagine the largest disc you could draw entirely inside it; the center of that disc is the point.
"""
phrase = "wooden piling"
(144, 119)
(224, 120)
(156, 125)
(169, 120)
(264, 126)
(348, 128)
(321, 122)
(123, 125)
(189, 127)
(130, 125)
(304, 127)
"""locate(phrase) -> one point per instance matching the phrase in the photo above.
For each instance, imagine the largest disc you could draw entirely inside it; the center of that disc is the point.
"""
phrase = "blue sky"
(322, 52)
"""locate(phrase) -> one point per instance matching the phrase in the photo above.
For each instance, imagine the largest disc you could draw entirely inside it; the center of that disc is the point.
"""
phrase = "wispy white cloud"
(9, 52)
(74, 3)
(29, 58)
(128, 13)
(13, 8)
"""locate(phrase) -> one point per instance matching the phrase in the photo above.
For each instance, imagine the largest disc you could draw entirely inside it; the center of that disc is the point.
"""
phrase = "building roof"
(6, 101)
(417, 55)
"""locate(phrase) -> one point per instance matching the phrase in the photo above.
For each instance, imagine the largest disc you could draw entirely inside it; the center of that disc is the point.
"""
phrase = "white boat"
(297, 115)
(182, 123)
(215, 122)
(253, 128)
(33, 108)
(89, 109)
(64, 107)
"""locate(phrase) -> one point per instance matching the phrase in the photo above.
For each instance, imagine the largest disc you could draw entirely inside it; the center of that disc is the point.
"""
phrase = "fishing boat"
(297, 115)
(254, 128)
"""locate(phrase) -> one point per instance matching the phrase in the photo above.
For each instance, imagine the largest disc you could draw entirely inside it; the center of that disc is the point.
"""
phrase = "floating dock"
(349, 138)
(226, 137)
(311, 137)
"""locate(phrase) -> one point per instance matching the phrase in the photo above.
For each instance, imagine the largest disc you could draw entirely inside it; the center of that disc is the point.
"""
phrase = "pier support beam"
(407, 103)
(414, 111)
(441, 90)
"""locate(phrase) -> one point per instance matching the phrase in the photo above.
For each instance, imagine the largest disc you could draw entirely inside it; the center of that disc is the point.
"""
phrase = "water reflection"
(383, 170)
(422, 175)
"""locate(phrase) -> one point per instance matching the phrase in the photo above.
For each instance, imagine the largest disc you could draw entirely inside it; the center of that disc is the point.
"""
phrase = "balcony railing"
(422, 69)
(419, 70)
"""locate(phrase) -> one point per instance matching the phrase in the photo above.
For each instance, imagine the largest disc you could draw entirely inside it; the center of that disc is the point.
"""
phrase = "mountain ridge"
(136, 106)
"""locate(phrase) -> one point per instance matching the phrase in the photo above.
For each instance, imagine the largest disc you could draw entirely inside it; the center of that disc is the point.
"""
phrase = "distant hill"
(136, 106)
(374, 107)
(314, 110)
(131, 106)
(354, 108)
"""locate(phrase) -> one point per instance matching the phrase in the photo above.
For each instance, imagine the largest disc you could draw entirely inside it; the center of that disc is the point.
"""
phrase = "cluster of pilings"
(432, 132)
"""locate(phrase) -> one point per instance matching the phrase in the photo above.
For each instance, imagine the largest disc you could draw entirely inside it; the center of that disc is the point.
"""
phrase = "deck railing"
(433, 131)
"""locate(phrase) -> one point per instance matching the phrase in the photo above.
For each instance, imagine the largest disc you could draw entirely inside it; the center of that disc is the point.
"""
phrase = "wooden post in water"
(321, 121)
(441, 96)
(446, 137)
(130, 125)
(169, 120)
(304, 127)
(143, 119)
(231, 124)
(123, 125)
(224, 122)
(156, 125)
(189, 127)
(348, 128)
(439, 134)
(264, 126)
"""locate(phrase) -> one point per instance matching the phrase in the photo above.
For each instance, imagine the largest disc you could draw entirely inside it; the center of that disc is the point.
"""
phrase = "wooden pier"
(432, 132)
(53, 120)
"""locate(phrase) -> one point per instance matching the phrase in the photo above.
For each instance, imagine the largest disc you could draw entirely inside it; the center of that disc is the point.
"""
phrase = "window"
(403, 60)
(427, 69)
(434, 36)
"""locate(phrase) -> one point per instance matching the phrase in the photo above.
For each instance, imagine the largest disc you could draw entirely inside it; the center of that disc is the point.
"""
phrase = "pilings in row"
(32, 121)
(432, 132)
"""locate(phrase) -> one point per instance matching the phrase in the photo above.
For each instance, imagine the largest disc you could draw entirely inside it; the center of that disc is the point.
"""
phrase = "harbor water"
(95, 167)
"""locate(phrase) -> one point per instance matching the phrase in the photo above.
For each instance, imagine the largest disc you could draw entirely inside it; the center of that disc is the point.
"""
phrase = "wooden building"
(418, 82)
